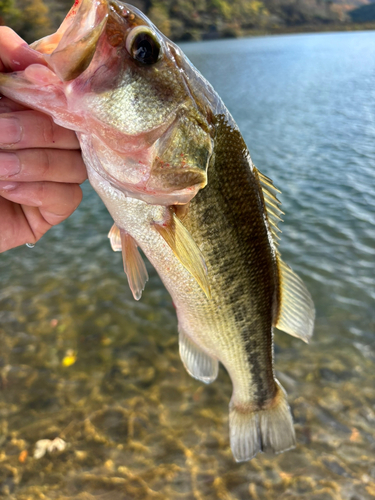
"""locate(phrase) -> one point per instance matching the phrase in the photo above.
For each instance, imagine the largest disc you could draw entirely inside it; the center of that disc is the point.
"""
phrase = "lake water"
(80, 359)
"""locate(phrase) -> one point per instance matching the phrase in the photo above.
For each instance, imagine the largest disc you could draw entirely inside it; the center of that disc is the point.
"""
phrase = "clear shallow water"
(137, 426)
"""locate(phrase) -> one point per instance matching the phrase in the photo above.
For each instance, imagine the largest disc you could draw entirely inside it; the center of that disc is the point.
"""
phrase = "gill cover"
(183, 153)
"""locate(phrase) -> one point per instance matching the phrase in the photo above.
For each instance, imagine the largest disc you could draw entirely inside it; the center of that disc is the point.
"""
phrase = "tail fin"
(269, 429)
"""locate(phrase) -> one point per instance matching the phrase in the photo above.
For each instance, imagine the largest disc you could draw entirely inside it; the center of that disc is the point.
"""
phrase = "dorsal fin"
(296, 313)
(272, 204)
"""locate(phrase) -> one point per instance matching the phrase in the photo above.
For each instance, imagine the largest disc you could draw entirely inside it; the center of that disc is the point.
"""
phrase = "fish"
(170, 164)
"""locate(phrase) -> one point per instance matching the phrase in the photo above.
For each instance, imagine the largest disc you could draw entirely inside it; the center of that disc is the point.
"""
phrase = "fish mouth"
(70, 50)
(84, 16)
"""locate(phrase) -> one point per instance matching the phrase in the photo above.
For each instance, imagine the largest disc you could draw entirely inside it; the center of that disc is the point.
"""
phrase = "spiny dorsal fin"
(272, 204)
(185, 249)
(296, 311)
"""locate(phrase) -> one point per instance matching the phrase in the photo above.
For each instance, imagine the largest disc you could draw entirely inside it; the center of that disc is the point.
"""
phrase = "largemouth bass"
(169, 162)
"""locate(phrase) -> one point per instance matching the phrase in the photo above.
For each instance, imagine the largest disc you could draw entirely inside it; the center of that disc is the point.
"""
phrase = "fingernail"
(10, 131)
(8, 186)
(9, 164)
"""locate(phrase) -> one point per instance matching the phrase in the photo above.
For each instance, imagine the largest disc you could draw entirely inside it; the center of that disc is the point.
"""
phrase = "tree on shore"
(29, 18)
(10, 15)
(180, 19)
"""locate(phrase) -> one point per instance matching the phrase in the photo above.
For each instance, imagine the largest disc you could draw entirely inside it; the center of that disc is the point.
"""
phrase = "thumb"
(15, 54)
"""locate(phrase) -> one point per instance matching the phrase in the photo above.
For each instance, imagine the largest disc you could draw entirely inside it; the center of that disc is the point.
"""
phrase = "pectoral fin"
(296, 312)
(185, 249)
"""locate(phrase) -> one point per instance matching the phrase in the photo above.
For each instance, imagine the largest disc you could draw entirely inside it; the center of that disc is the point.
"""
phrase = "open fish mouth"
(70, 50)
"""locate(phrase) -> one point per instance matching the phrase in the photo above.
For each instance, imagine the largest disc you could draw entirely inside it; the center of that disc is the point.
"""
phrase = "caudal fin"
(268, 429)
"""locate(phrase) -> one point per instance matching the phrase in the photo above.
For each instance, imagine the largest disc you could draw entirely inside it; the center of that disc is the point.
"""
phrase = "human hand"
(41, 165)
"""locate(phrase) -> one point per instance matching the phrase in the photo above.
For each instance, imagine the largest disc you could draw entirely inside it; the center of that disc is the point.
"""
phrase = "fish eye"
(143, 45)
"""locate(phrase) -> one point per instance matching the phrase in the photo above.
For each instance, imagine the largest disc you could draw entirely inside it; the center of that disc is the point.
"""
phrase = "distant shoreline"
(286, 30)
(321, 28)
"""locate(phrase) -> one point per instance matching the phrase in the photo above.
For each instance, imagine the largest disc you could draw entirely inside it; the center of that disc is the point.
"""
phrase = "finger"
(16, 55)
(30, 165)
(20, 225)
(56, 201)
(7, 105)
(32, 129)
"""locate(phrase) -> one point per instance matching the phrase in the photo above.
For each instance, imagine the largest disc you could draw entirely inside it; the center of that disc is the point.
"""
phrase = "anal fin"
(197, 363)
(296, 310)
(185, 249)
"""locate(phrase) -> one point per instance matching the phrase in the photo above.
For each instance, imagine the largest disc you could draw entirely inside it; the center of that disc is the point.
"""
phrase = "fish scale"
(171, 166)
(239, 257)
